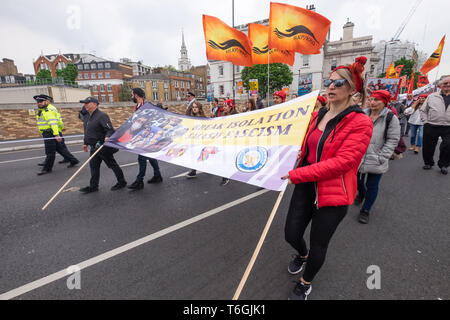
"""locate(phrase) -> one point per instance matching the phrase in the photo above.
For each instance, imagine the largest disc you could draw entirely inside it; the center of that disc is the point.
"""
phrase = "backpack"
(389, 117)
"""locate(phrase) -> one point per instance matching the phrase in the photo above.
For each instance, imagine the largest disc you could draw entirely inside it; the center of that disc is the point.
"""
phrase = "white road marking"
(110, 254)
(34, 158)
(184, 174)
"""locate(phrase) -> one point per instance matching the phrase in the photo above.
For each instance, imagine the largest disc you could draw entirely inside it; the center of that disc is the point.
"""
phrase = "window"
(155, 95)
(182, 94)
(176, 84)
(182, 84)
(220, 70)
(141, 84)
(201, 86)
(80, 67)
(107, 75)
(86, 67)
(86, 75)
(94, 88)
(221, 90)
(102, 88)
(111, 98)
(93, 66)
(61, 65)
(100, 75)
(93, 76)
(306, 61)
(103, 97)
(7, 79)
(109, 87)
(188, 85)
(372, 68)
(44, 66)
(166, 96)
(107, 65)
(100, 65)
(166, 85)
(153, 84)
(333, 64)
(238, 69)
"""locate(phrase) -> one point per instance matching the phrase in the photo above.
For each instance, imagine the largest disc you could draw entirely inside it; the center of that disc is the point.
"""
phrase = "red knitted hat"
(280, 94)
(382, 95)
(356, 69)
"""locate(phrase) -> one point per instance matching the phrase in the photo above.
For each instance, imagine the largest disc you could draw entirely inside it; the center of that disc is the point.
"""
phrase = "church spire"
(184, 64)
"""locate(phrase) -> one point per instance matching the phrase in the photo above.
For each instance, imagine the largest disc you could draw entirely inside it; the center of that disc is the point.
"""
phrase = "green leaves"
(280, 76)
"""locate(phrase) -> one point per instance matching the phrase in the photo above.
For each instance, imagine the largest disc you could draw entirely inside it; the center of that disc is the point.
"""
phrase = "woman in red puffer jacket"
(326, 185)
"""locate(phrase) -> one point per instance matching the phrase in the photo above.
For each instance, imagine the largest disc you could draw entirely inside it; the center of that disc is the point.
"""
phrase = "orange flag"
(259, 36)
(296, 29)
(226, 43)
(411, 84)
(435, 59)
(390, 72)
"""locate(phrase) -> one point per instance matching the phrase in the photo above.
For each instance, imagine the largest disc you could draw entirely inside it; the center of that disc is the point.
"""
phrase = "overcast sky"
(151, 30)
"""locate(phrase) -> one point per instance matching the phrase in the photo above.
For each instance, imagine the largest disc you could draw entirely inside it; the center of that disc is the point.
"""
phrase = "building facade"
(391, 51)
(139, 69)
(104, 77)
(7, 67)
(201, 81)
(347, 49)
(156, 86)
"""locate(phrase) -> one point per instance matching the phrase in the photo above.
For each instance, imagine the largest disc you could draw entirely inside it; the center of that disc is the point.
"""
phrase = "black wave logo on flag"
(227, 45)
(435, 55)
(259, 51)
(294, 31)
(266, 49)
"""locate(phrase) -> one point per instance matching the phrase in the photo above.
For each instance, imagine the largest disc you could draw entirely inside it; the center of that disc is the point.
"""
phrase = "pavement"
(193, 239)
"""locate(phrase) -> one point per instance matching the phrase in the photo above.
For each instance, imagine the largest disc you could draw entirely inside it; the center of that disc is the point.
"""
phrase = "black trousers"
(64, 151)
(104, 155)
(51, 147)
(324, 222)
(431, 134)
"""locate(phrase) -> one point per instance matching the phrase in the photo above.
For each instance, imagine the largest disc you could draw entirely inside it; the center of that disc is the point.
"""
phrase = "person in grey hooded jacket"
(386, 135)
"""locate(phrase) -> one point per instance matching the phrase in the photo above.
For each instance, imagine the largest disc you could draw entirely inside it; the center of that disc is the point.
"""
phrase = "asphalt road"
(407, 237)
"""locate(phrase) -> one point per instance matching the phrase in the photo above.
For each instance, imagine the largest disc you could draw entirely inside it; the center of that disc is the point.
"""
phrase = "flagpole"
(268, 77)
(71, 178)
(234, 80)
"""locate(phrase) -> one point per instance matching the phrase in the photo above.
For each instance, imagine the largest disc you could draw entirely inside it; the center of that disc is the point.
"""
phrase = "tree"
(408, 66)
(125, 93)
(44, 76)
(69, 74)
(280, 76)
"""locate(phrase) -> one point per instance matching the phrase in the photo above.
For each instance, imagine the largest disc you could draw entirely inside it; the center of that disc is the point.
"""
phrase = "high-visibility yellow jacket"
(47, 119)
(60, 121)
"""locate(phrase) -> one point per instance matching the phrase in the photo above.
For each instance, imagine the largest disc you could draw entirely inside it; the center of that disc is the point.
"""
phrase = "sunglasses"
(337, 83)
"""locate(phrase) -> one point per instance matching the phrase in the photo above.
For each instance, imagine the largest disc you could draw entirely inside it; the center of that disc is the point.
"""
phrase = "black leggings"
(325, 220)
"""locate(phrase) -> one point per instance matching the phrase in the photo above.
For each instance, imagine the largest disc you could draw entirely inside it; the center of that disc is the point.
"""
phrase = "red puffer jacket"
(341, 148)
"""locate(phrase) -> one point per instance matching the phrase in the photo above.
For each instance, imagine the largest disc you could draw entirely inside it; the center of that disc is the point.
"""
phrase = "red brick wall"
(19, 124)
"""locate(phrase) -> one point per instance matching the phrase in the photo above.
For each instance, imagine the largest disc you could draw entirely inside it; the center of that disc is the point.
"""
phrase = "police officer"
(97, 130)
(49, 122)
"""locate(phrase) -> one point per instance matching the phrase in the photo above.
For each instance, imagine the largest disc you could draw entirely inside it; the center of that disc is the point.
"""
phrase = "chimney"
(348, 30)
(311, 7)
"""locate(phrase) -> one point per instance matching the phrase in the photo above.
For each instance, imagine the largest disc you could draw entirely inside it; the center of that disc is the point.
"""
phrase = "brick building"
(180, 83)
(201, 80)
(7, 67)
(156, 86)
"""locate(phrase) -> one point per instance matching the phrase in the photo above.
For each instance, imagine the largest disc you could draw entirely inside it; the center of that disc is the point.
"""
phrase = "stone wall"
(19, 121)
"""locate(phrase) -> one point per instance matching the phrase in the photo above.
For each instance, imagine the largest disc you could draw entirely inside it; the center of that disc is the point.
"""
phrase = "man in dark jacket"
(97, 130)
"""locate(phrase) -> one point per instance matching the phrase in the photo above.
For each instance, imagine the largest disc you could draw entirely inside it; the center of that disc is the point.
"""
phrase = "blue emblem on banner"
(251, 159)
